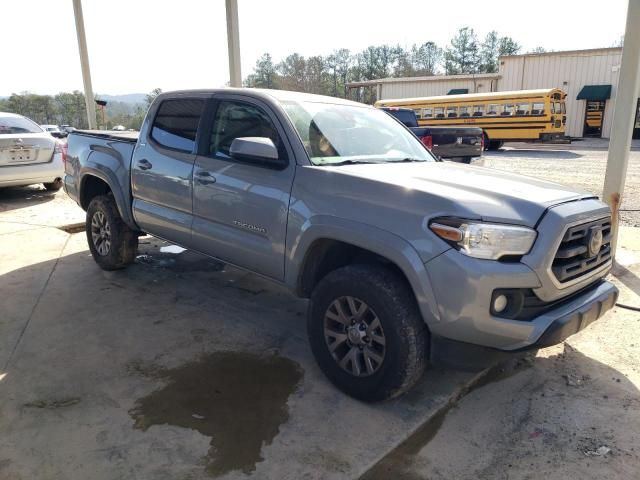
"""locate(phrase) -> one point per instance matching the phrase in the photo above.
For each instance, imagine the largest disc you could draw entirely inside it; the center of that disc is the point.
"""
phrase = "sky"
(138, 45)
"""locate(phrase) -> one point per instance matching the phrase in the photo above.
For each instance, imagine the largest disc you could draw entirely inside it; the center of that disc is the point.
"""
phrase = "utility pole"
(84, 62)
(233, 43)
(623, 118)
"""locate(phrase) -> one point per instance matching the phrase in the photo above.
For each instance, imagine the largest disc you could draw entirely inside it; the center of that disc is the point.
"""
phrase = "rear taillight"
(61, 148)
(427, 140)
(482, 143)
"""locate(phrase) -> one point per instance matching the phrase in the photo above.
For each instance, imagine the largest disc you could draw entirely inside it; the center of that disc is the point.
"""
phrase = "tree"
(463, 54)
(508, 46)
(426, 58)
(292, 72)
(265, 72)
(489, 53)
(151, 96)
(538, 50)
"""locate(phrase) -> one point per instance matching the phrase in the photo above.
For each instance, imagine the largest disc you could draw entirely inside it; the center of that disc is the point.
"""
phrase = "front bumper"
(463, 286)
(596, 303)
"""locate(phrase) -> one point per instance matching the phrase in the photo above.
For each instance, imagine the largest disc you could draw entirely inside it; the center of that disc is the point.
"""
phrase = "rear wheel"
(54, 186)
(112, 243)
(495, 145)
(366, 332)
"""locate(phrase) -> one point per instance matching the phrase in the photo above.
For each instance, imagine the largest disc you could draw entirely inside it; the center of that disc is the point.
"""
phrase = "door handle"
(145, 165)
(205, 177)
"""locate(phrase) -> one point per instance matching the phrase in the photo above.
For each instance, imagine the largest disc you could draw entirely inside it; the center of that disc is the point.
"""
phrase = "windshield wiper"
(344, 162)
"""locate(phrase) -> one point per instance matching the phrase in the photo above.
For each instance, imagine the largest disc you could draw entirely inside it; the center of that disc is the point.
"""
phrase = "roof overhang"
(431, 78)
(595, 92)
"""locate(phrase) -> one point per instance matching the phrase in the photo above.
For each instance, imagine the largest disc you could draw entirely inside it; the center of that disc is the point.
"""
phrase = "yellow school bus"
(522, 115)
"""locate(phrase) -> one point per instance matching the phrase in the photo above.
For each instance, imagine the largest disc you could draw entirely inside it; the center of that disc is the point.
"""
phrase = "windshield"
(17, 125)
(334, 134)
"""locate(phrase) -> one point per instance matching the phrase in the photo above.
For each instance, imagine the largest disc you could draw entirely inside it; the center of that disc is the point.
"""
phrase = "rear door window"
(176, 123)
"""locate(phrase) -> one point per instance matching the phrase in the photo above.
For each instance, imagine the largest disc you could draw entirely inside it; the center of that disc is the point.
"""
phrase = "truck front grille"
(576, 255)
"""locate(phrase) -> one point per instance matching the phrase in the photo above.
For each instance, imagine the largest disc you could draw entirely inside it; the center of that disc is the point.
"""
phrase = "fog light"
(499, 303)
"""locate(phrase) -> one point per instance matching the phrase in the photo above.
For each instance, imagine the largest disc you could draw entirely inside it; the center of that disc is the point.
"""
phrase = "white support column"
(233, 43)
(623, 118)
(84, 62)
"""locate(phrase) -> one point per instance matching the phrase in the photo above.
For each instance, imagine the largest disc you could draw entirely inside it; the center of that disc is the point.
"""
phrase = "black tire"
(390, 299)
(53, 186)
(122, 245)
(495, 145)
(466, 160)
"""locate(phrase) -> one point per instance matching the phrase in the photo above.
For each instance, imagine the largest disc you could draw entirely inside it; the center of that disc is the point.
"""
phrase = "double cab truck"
(458, 144)
(398, 252)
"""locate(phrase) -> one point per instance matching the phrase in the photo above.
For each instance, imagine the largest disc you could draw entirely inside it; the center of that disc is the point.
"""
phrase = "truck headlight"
(489, 241)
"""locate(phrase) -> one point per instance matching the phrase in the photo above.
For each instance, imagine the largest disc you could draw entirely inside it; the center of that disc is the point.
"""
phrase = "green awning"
(458, 91)
(595, 92)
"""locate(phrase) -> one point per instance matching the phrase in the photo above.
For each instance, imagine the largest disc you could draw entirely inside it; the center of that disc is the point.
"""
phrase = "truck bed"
(131, 137)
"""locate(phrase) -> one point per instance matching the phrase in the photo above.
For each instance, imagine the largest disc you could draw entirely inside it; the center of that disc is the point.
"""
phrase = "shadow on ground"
(12, 198)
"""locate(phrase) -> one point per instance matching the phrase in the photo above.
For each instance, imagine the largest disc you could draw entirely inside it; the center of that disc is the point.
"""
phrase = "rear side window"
(176, 123)
(17, 125)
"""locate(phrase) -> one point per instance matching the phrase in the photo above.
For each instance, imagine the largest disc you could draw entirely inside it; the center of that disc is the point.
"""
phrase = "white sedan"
(28, 154)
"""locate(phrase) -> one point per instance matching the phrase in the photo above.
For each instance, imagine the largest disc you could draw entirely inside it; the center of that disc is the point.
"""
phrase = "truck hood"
(469, 191)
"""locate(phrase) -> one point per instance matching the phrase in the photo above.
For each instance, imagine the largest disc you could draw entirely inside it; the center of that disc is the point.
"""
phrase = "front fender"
(381, 242)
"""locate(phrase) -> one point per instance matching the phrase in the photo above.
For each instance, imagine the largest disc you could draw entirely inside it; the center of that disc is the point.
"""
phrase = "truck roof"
(279, 95)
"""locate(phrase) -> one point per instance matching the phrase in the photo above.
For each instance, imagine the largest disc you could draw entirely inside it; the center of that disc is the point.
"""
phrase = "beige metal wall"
(429, 88)
(569, 71)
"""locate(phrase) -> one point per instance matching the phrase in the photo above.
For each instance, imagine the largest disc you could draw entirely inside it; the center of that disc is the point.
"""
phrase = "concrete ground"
(176, 368)
(182, 368)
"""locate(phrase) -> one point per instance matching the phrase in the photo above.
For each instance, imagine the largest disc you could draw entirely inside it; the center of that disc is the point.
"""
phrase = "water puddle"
(238, 400)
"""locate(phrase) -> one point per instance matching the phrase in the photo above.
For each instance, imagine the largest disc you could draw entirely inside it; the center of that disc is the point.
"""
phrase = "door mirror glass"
(255, 149)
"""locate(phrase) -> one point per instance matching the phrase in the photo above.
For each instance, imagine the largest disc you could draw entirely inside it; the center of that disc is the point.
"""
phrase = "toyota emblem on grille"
(594, 240)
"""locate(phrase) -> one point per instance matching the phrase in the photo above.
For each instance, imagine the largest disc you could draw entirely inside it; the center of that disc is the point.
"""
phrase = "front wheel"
(112, 243)
(366, 332)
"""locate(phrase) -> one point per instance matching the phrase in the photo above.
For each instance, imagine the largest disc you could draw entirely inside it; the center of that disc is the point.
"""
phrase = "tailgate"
(25, 149)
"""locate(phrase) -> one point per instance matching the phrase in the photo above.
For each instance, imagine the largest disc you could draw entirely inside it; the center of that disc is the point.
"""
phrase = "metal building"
(589, 77)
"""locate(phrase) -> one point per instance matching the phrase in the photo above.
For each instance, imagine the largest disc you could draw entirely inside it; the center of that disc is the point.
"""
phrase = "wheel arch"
(95, 182)
(329, 243)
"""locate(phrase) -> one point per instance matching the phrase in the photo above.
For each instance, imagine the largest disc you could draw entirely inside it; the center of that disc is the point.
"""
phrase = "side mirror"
(256, 150)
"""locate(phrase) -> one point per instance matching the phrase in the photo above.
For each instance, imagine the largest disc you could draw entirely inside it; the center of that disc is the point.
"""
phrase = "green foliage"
(329, 74)
(69, 108)
(463, 55)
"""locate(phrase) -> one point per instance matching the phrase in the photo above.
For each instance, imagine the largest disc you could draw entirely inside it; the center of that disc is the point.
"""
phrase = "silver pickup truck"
(399, 253)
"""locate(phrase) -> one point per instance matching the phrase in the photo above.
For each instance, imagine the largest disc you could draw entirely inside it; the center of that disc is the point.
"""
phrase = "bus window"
(418, 113)
(538, 109)
(523, 109)
(478, 110)
(427, 113)
(507, 109)
(464, 111)
(493, 109)
(439, 112)
(452, 112)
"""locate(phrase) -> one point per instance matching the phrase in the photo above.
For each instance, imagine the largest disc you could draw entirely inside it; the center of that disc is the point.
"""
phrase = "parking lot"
(181, 367)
